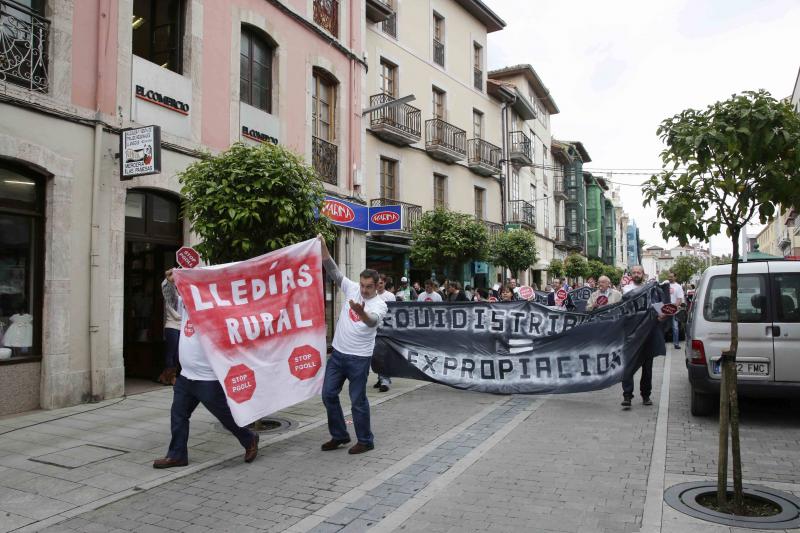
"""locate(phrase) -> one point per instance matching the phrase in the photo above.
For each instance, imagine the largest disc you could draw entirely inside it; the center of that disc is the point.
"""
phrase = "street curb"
(654, 500)
(188, 471)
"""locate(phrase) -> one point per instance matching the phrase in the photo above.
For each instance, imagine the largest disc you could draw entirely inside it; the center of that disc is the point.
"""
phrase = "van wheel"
(702, 404)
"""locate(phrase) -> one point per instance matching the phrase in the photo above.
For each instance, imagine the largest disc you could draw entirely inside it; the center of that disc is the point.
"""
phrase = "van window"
(788, 302)
(752, 303)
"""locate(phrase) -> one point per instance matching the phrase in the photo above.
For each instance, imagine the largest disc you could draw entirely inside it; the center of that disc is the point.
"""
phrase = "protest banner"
(261, 325)
(578, 298)
(517, 347)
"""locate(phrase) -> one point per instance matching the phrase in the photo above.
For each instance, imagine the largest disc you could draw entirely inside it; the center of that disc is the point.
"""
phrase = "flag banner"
(518, 347)
(261, 325)
(578, 298)
(540, 297)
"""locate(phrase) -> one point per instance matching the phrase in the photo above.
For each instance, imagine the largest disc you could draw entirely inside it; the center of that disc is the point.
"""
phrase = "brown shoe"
(360, 448)
(333, 444)
(169, 462)
(251, 452)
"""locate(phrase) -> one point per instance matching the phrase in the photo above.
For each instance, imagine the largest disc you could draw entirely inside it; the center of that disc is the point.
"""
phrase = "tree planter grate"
(683, 497)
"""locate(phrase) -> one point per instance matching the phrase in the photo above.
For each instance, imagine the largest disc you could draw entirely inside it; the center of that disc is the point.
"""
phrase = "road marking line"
(654, 500)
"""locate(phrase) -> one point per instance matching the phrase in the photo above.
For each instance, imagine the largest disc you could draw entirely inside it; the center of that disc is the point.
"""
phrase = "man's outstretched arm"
(331, 269)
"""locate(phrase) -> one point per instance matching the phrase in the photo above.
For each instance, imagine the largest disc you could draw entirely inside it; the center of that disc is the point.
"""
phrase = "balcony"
(23, 46)
(522, 212)
(412, 213)
(444, 141)
(378, 10)
(477, 78)
(389, 26)
(325, 160)
(493, 228)
(519, 148)
(483, 157)
(784, 241)
(561, 238)
(438, 52)
(326, 14)
(397, 124)
(559, 191)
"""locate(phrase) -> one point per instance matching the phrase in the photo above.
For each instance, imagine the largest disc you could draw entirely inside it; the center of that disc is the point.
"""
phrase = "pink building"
(82, 252)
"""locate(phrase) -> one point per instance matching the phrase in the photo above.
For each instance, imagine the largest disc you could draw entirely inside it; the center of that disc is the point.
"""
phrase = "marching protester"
(604, 295)
(455, 294)
(353, 342)
(404, 292)
(430, 294)
(652, 347)
(676, 297)
(507, 294)
(481, 295)
(172, 329)
(198, 384)
(384, 281)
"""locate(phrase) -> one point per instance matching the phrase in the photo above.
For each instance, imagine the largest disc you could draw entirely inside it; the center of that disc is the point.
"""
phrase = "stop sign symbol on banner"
(240, 383)
(187, 257)
(305, 362)
(561, 294)
(525, 292)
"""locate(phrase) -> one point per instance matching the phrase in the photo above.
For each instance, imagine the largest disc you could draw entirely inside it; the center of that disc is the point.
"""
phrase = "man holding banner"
(605, 295)
(353, 341)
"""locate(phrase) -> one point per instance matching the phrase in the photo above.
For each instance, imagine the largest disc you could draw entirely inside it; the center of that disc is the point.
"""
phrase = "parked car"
(768, 357)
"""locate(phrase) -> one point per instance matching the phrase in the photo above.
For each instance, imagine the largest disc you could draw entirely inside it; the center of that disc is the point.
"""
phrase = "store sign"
(140, 152)
(386, 218)
(256, 126)
(360, 217)
(257, 136)
(160, 96)
(481, 267)
(163, 100)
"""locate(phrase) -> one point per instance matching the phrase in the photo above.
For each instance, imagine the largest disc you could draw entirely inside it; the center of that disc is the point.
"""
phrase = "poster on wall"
(140, 152)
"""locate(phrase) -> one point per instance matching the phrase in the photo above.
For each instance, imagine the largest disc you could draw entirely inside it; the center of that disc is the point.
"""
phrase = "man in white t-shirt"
(353, 341)
(384, 282)
(430, 294)
(676, 297)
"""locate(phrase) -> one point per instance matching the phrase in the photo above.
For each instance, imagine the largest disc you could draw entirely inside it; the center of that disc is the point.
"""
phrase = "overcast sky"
(617, 69)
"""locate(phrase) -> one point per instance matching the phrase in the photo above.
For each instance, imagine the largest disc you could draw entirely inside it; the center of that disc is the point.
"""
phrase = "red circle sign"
(187, 257)
(669, 309)
(492, 299)
(626, 280)
(384, 218)
(338, 211)
(188, 329)
(561, 294)
(526, 292)
(305, 362)
(240, 383)
(602, 300)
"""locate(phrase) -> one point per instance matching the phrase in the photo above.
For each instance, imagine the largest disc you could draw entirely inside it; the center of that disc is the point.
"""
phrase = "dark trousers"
(645, 382)
(187, 394)
(172, 337)
(353, 368)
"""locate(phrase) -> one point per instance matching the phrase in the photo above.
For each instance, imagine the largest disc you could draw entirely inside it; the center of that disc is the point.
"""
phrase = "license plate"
(746, 369)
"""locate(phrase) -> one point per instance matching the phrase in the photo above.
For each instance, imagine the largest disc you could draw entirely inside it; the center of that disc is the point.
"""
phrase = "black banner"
(518, 347)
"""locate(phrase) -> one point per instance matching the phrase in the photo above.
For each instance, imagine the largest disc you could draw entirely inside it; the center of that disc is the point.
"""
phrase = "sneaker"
(333, 444)
(377, 385)
(383, 388)
(626, 402)
(646, 400)
(360, 448)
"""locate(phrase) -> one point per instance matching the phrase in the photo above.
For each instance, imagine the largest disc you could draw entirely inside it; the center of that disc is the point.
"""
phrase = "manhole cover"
(271, 424)
(78, 456)
(683, 498)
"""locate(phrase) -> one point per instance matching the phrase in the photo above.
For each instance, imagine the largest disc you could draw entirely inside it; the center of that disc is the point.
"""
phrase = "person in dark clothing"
(455, 294)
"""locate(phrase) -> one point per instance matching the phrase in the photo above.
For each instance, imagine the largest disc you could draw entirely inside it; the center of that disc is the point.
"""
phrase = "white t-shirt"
(194, 363)
(629, 287)
(675, 292)
(352, 336)
(388, 296)
(432, 297)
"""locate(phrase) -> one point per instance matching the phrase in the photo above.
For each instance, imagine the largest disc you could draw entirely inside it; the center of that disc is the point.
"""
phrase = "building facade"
(632, 236)
(83, 252)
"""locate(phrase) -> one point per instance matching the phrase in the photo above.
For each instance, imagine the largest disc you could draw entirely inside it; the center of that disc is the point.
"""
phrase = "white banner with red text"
(261, 325)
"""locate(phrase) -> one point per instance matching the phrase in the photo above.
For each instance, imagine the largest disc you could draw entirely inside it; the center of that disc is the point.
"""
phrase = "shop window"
(158, 27)
(21, 252)
(255, 70)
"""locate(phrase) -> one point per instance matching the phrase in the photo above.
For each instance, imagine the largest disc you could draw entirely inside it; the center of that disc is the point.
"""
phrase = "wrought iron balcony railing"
(389, 26)
(493, 228)
(325, 160)
(519, 147)
(522, 212)
(23, 46)
(561, 234)
(443, 135)
(403, 117)
(483, 157)
(558, 187)
(412, 213)
(326, 14)
(477, 78)
(438, 52)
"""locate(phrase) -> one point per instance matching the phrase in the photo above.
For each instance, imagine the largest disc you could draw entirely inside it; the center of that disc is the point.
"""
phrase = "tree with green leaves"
(556, 268)
(595, 268)
(514, 250)
(443, 240)
(248, 201)
(575, 266)
(613, 273)
(687, 266)
(723, 166)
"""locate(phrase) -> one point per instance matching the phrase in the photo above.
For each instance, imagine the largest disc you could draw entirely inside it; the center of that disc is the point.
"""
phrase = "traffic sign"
(526, 292)
(187, 257)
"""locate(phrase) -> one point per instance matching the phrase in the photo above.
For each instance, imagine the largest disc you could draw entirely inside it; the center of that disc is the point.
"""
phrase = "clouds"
(617, 69)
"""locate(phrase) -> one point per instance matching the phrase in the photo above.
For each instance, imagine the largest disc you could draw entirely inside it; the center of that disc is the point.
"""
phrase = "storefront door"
(153, 233)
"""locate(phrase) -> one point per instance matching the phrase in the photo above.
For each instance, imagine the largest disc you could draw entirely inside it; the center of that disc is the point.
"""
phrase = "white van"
(768, 358)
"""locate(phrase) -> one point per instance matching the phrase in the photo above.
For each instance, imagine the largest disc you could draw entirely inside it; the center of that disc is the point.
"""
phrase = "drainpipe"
(503, 134)
(96, 313)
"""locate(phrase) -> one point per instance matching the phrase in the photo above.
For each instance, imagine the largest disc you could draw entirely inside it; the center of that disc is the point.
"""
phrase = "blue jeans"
(340, 367)
(187, 394)
(675, 331)
(172, 337)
